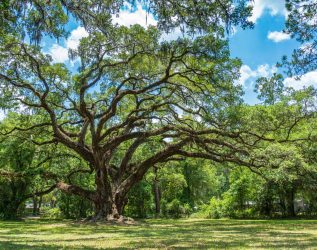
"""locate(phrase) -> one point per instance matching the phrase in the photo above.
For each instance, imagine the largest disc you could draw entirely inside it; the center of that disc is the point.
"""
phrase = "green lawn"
(161, 234)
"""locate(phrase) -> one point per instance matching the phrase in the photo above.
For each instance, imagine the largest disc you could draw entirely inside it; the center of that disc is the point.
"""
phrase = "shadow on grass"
(16, 246)
(166, 234)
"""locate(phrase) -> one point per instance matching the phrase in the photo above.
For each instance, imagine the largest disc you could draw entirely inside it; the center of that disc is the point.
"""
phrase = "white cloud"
(245, 74)
(140, 16)
(275, 7)
(249, 76)
(308, 49)
(125, 17)
(234, 30)
(266, 70)
(75, 36)
(278, 36)
(309, 79)
(60, 53)
(173, 35)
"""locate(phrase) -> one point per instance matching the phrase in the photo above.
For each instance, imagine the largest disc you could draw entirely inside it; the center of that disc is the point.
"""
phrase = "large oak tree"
(133, 94)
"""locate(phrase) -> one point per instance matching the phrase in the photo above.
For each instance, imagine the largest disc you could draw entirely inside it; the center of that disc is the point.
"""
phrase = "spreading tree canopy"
(136, 100)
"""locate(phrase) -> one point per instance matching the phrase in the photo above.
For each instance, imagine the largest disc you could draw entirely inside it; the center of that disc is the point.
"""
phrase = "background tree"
(270, 89)
(302, 25)
(29, 168)
(22, 172)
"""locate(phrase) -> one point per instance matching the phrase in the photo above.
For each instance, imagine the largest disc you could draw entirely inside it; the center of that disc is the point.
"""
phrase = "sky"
(259, 48)
(262, 47)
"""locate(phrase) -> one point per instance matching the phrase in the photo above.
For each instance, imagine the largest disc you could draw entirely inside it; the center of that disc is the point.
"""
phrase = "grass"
(160, 234)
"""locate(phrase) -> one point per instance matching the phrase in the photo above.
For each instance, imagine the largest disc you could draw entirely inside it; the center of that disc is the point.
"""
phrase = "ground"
(160, 234)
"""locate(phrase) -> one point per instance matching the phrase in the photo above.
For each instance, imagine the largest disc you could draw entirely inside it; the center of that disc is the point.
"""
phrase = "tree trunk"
(105, 205)
(35, 207)
(266, 208)
(108, 209)
(157, 194)
(109, 198)
(290, 208)
(267, 200)
(11, 210)
(40, 204)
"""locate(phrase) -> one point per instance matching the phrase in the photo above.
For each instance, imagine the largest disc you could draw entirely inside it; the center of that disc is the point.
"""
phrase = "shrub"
(202, 212)
(175, 209)
(187, 210)
(215, 209)
(51, 213)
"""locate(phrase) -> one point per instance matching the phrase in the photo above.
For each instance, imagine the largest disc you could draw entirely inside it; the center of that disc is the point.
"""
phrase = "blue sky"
(259, 48)
(262, 47)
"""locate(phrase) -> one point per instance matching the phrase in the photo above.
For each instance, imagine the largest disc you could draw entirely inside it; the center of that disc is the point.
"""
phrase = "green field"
(161, 234)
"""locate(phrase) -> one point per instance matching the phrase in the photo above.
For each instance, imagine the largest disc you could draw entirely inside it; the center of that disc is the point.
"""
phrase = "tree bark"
(110, 194)
(35, 206)
(290, 208)
(104, 201)
(40, 204)
(157, 194)
(11, 209)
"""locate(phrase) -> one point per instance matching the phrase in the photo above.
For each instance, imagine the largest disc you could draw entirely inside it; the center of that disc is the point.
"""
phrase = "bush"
(218, 208)
(187, 210)
(226, 207)
(202, 212)
(215, 208)
(52, 213)
(175, 209)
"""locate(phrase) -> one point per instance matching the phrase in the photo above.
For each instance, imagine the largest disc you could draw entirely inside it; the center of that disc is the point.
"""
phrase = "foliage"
(73, 207)
(175, 209)
(149, 125)
(301, 24)
(18, 171)
(270, 90)
(52, 213)
(140, 201)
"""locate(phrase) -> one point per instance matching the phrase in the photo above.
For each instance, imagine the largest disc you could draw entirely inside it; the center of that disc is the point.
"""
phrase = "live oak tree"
(270, 89)
(22, 166)
(135, 100)
(302, 25)
(20, 176)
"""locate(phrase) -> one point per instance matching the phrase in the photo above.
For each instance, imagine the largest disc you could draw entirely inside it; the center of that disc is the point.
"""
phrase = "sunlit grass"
(161, 234)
